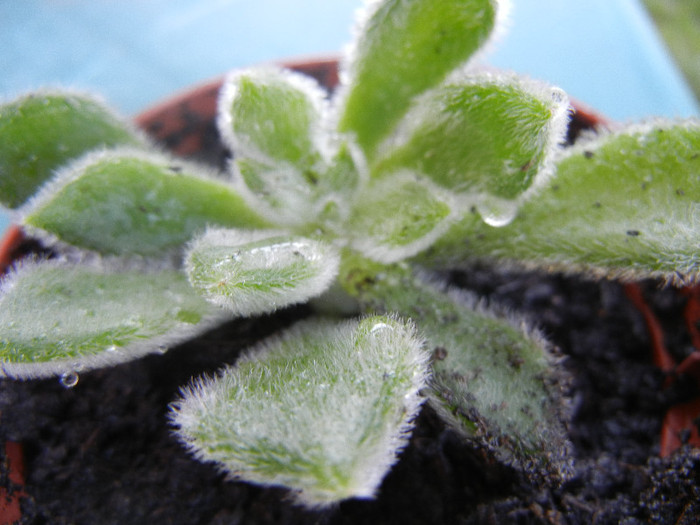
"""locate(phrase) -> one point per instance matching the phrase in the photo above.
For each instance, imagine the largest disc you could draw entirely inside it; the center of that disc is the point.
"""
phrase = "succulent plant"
(422, 160)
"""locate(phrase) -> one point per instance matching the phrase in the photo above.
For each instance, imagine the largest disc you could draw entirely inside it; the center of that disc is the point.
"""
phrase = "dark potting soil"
(103, 451)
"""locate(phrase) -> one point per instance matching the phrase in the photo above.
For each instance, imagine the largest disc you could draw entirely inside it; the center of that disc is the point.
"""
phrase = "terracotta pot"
(680, 426)
(10, 511)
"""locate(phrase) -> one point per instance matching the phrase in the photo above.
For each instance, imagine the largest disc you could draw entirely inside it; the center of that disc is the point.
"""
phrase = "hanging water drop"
(69, 379)
(497, 212)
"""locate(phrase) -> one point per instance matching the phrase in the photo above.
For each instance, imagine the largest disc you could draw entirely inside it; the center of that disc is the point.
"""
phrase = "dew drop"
(161, 349)
(112, 348)
(497, 220)
(69, 379)
(497, 212)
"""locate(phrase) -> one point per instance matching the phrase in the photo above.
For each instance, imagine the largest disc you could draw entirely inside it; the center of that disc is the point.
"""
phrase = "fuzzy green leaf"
(286, 162)
(123, 202)
(404, 48)
(397, 217)
(323, 409)
(251, 273)
(626, 205)
(480, 134)
(492, 378)
(270, 114)
(58, 319)
(42, 131)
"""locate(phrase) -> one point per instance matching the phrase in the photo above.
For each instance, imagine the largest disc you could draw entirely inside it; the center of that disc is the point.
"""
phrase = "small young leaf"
(323, 409)
(492, 378)
(337, 186)
(403, 48)
(625, 205)
(285, 161)
(134, 203)
(398, 216)
(42, 131)
(58, 318)
(278, 191)
(272, 115)
(254, 272)
(282, 194)
(345, 171)
(480, 134)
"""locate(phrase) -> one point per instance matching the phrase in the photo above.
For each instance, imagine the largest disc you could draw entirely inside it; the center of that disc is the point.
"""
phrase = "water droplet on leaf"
(497, 212)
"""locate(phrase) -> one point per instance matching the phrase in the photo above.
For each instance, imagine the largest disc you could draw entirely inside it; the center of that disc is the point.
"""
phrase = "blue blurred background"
(606, 53)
